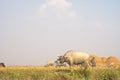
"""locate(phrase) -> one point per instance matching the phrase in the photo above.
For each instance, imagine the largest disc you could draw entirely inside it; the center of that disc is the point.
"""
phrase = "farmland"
(63, 73)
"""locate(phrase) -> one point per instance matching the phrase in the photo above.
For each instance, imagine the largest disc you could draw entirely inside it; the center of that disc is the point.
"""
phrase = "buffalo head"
(62, 59)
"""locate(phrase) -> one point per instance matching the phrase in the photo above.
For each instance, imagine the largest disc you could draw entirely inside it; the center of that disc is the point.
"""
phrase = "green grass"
(51, 73)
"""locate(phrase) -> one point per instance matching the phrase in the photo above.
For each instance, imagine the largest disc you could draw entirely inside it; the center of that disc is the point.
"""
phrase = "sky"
(33, 32)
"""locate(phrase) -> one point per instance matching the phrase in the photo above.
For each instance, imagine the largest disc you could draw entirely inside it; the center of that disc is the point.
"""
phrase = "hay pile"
(98, 59)
(101, 61)
(112, 59)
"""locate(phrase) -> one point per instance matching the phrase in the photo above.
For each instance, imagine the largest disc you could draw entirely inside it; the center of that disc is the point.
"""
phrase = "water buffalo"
(74, 57)
(2, 65)
(49, 63)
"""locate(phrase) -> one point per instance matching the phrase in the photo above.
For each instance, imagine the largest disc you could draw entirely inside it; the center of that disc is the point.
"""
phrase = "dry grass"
(63, 73)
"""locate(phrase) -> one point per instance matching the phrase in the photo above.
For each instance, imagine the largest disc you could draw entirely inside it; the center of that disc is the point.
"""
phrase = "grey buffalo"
(74, 57)
(49, 63)
(54, 64)
(2, 65)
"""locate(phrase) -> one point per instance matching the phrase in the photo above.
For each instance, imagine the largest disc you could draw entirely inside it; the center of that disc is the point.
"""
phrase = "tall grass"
(63, 73)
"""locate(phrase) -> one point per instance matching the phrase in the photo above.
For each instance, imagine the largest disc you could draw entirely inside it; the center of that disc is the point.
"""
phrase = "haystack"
(98, 59)
(103, 59)
(112, 59)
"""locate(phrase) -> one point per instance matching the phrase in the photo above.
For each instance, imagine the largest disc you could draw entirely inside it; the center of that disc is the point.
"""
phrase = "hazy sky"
(33, 32)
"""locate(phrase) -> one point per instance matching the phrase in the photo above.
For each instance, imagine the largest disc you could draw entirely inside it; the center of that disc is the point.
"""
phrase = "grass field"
(63, 73)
